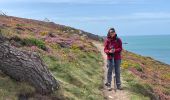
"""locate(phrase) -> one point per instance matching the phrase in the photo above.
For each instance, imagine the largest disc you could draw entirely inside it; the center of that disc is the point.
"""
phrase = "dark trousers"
(113, 66)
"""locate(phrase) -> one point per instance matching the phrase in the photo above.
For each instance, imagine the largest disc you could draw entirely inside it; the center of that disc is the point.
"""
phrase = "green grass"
(80, 79)
(139, 68)
(135, 96)
(19, 25)
(34, 42)
(139, 90)
(10, 89)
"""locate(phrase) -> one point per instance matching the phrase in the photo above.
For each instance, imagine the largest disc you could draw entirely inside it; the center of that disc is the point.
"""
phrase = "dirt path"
(111, 95)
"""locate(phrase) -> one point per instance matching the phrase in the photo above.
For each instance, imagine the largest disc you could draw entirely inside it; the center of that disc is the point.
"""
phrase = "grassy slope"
(68, 53)
(145, 77)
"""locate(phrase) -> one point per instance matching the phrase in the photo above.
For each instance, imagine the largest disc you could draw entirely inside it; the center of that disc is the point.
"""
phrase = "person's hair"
(108, 34)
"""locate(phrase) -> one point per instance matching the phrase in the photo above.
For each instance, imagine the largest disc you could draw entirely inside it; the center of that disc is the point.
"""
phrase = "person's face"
(112, 34)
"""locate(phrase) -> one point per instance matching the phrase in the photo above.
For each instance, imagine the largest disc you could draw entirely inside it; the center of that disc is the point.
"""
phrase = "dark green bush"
(139, 68)
(34, 42)
(19, 25)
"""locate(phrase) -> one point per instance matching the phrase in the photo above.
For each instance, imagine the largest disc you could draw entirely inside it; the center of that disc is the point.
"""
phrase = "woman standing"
(113, 48)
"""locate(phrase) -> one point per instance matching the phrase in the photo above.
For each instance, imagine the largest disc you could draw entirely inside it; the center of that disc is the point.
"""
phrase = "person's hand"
(111, 51)
(114, 50)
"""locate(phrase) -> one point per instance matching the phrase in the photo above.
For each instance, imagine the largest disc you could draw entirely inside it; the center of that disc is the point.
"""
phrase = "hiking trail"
(110, 95)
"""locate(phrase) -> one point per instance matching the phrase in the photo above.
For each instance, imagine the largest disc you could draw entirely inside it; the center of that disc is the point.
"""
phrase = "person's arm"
(106, 50)
(119, 49)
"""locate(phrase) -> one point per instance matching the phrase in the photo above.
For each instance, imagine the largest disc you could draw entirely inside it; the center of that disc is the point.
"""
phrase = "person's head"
(111, 33)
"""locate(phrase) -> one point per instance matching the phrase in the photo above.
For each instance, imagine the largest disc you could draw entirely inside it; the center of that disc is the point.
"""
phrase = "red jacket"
(117, 44)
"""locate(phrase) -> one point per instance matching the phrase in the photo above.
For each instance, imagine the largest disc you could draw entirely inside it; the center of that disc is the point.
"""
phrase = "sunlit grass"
(82, 78)
(11, 89)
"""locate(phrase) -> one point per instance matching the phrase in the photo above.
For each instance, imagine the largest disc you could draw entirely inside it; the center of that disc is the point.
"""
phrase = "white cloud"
(79, 1)
(155, 15)
(140, 16)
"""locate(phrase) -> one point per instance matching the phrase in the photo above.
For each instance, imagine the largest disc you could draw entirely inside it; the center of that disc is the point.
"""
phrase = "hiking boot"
(108, 84)
(119, 88)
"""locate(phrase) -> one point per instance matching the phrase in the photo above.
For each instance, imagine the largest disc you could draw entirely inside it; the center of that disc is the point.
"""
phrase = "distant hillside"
(19, 23)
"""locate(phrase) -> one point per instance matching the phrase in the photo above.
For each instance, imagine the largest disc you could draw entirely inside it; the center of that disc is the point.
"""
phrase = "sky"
(128, 17)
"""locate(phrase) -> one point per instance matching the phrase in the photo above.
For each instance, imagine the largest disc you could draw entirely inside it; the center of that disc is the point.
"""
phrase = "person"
(113, 48)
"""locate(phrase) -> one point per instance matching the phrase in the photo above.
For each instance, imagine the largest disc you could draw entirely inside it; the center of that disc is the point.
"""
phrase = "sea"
(155, 46)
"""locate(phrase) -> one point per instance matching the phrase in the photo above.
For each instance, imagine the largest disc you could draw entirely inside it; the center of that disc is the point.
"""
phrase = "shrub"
(74, 47)
(139, 68)
(34, 42)
(43, 33)
(18, 25)
(125, 64)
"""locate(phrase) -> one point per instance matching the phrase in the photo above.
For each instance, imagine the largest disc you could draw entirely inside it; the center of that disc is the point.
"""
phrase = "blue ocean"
(156, 46)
